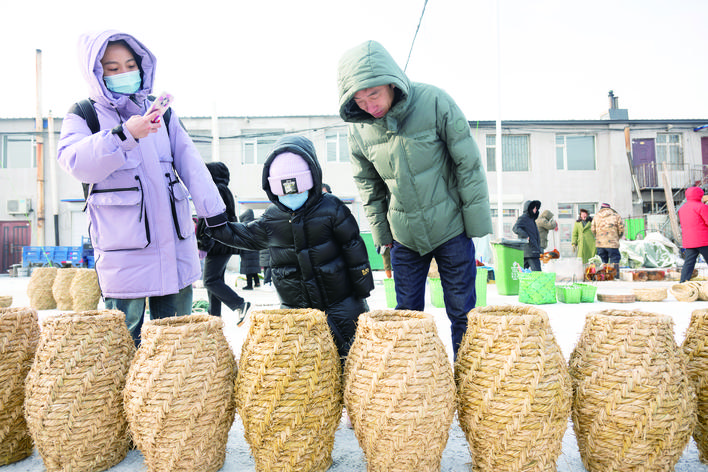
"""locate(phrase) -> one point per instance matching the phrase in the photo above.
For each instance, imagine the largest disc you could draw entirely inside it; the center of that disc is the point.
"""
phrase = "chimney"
(615, 113)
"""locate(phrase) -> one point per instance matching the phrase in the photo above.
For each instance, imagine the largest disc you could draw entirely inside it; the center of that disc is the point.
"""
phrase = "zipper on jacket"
(170, 186)
(142, 210)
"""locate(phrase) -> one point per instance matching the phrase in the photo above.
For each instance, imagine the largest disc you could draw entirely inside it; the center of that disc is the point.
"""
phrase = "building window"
(572, 210)
(257, 148)
(575, 152)
(337, 146)
(668, 148)
(17, 152)
(515, 153)
(507, 212)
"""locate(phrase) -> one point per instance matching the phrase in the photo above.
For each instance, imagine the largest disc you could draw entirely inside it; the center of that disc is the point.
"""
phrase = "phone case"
(161, 104)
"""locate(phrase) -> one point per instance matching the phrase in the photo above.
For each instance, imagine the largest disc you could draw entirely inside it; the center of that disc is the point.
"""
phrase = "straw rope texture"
(74, 392)
(19, 335)
(399, 391)
(179, 394)
(288, 390)
(695, 347)
(85, 292)
(633, 404)
(39, 288)
(655, 294)
(5, 301)
(690, 291)
(514, 389)
(60, 288)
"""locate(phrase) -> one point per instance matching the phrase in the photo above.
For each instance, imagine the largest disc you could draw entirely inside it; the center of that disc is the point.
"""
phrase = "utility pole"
(39, 139)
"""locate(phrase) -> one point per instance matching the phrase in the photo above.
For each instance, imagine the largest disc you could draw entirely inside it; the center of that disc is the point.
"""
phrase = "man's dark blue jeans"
(456, 264)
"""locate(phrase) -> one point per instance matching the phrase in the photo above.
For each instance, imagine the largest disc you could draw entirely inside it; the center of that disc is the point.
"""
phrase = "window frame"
(507, 158)
(564, 149)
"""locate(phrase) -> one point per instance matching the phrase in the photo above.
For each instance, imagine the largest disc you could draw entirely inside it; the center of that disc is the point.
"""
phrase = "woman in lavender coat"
(143, 175)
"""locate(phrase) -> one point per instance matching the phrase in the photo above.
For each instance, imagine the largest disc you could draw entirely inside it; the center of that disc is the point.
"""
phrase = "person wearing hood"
(250, 264)
(525, 227)
(317, 256)
(582, 239)
(608, 228)
(141, 177)
(420, 178)
(693, 216)
(218, 255)
(545, 223)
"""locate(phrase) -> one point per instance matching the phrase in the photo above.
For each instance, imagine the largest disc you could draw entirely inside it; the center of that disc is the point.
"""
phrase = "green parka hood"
(364, 66)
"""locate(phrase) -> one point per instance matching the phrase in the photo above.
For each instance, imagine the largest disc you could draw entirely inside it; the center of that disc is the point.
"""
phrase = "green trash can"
(480, 286)
(505, 254)
(436, 292)
(390, 288)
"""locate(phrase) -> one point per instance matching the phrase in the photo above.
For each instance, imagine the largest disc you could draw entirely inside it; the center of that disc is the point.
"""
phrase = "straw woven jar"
(179, 394)
(695, 347)
(399, 391)
(19, 335)
(5, 301)
(85, 291)
(40, 287)
(514, 389)
(633, 404)
(288, 390)
(74, 393)
(60, 288)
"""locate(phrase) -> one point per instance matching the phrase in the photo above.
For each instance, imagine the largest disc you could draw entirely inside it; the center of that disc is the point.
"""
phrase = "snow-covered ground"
(567, 321)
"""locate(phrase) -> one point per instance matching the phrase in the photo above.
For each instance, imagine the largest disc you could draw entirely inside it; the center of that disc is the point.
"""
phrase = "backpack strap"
(85, 109)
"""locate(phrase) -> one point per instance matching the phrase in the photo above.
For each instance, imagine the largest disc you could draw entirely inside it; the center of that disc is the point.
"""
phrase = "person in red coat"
(693, 216)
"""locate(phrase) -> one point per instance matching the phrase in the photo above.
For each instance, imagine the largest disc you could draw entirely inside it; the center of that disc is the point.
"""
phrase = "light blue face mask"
(128, 82)
(294, 200)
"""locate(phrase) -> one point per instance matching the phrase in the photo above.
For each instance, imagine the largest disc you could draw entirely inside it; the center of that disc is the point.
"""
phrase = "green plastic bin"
(504, 258)
(375, 259)
(390, 288)
(480, 286)
(436, 292)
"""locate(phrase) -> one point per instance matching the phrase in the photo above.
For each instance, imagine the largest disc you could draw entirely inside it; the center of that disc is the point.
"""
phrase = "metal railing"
(681, 176)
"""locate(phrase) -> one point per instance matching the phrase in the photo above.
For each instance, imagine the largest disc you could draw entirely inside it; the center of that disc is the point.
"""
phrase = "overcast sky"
(559, 58)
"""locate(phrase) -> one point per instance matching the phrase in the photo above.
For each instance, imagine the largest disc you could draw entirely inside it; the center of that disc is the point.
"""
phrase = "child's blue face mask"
(128, 82)
(293, 200)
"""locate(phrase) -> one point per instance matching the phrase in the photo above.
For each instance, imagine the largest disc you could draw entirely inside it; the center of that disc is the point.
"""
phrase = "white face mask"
(294, 200)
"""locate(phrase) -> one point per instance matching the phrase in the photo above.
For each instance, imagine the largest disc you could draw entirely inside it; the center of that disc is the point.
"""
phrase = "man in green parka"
(420, 177)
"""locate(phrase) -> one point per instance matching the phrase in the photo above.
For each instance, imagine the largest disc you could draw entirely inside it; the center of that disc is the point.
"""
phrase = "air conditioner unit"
(19, 207)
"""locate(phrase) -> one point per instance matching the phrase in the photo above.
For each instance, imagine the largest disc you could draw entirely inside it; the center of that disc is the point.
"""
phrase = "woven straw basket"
(649, 294)
(74, 393)
(633, 404)
(85, 292)
(288, 390)
(696, 349)
(399, 391)
(5, 301)
(19, 335)
(60, 288)
(40, 287)
(179, 394)
(514, 389)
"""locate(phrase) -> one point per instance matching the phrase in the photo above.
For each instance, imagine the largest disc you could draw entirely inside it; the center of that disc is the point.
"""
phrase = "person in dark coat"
(525, 227)
(217, 254)
(318, 258)
(250, 263)
(264, 260)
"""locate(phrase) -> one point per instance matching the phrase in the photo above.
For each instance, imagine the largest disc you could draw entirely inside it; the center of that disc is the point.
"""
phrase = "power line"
(415, 35)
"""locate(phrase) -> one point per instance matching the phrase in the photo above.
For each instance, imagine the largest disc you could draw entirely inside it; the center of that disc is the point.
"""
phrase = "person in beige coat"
(608, 228)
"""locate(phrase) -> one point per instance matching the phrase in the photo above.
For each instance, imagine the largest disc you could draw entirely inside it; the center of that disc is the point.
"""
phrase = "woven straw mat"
(85, 292)
(40, 286)
(399, 391)
(656, 294)
(514, 389)
(696, 351)
(19, 335)
(288, 390)
(684, 292)
(74, 394)
(633, 404)
(179, 394)
(60, 288)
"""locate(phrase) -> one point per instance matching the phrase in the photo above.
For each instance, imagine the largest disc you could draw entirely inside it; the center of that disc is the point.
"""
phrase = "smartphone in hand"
(161, 104)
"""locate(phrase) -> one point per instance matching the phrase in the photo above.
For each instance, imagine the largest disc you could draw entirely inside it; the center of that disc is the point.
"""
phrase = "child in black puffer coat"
(317, 256)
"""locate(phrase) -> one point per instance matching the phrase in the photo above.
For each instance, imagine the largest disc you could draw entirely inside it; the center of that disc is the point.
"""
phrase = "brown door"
(13, 236)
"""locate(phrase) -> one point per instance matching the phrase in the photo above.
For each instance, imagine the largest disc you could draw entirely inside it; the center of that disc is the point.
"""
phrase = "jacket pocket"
(179, 203)
(118, 220)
